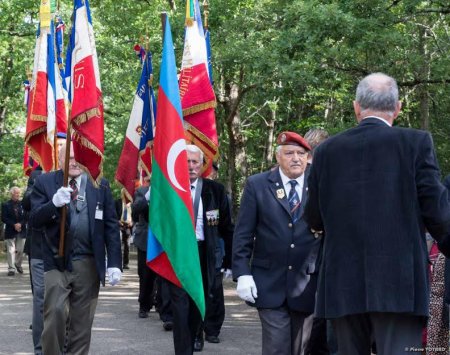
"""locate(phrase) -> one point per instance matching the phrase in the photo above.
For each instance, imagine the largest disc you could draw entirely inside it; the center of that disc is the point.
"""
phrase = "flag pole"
(163, 23)
(62, 225)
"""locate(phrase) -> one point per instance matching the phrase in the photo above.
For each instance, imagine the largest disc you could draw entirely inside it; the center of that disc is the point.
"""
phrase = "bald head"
(377, 95)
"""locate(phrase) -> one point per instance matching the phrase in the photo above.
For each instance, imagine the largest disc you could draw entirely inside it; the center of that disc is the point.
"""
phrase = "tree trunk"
(424, 76)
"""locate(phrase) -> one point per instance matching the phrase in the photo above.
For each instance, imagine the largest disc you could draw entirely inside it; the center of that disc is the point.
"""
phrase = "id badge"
(99, 212)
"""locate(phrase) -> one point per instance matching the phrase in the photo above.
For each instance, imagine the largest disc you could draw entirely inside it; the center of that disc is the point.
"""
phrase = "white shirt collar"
(194, 183)
(378, 118)
(286, 180)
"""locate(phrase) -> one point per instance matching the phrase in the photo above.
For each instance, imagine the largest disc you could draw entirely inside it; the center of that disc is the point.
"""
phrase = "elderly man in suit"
(15, 230)
(274, 252)
(373, 190)
(72, 282)
(212, 222)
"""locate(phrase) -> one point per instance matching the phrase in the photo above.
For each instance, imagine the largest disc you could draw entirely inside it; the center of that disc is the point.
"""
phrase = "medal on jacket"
(280, 193)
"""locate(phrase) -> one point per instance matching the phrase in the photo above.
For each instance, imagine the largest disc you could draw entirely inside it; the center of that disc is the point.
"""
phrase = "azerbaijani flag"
(197, 95)
(139, 135)
(172, 249)
(85, 93)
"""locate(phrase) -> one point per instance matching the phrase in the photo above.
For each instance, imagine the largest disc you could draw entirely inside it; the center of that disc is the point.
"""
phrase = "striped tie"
(294, 202)
(73, 185)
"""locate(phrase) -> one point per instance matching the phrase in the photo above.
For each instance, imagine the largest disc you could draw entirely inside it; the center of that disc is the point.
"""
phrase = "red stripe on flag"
(162, 266)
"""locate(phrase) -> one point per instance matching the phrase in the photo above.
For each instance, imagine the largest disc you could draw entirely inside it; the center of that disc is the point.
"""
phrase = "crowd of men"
(329, 245)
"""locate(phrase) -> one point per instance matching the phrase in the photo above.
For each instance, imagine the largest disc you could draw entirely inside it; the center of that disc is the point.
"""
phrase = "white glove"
(114, 275)
(227, 274)
(246, 288)
(62, 196)
(147, 195)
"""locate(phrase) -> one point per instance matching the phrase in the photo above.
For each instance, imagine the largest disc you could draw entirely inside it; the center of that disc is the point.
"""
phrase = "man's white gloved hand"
(114, 275)
(246, 288)
(227, 274)
(62, 196)
(147, 195)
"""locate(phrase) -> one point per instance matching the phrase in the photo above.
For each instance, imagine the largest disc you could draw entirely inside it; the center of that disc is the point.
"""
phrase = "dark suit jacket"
(374, 189)
(280, 255)
(104, 233)
(9, 218)
(214, 197)
(139, 213)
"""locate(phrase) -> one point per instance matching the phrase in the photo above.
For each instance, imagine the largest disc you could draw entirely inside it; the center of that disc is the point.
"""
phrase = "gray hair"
(194, 149)
(14, 188)
(377, 92)
(316, 136)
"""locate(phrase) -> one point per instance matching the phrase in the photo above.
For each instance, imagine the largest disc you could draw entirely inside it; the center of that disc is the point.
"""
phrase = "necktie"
(73, 185)
(294, 202)
(125, 213)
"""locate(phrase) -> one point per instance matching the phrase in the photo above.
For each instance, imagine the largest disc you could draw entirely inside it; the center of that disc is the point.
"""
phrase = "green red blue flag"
(172, 249)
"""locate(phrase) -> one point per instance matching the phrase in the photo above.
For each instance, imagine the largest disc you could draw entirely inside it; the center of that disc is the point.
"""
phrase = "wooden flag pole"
(62, 225)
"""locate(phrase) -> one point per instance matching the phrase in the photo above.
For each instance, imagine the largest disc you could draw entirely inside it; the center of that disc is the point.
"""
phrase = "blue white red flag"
(85, 93)
(136, 151)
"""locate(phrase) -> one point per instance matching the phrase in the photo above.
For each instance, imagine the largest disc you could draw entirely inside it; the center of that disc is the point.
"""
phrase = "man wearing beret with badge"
(275, 255)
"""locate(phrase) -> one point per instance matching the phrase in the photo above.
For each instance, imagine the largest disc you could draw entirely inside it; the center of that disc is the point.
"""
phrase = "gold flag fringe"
(200, 107)
(87, 115)
(85, 142)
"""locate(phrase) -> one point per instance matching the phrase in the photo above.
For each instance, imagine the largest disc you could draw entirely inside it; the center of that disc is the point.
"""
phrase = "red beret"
(292, 138)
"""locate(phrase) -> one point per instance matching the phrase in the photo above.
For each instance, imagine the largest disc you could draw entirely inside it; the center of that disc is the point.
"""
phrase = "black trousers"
(126, 247)
(215, 307)
(318, 341)
(163, 304)
(186, 320)
(146, 281)
(393, 333)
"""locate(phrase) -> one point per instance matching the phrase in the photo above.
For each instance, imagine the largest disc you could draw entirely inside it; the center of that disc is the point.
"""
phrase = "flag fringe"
(200, 107)
(86, 116)
(124, 190)
(86, 143)
(40, 118)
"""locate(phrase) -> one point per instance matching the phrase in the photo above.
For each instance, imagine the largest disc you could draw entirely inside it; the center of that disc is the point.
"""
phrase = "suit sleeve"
(433, 196)
(244, 232)
(43, 211)
(140, 205)
(6, 216)
(312, 209)
(111, 229)
(226, 227)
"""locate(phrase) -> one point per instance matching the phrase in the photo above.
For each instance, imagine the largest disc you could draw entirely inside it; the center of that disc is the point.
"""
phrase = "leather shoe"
(126, 267)
(19, 269)
(212, 339)
(198, 344)
(143, 314)
(168, 325)
(11, 273)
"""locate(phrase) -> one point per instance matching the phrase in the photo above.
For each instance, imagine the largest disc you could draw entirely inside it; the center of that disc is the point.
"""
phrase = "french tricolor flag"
(85, 93)
(41, 116)
(136, 151)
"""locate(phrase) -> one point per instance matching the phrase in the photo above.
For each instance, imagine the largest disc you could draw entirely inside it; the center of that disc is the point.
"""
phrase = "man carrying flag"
(172, 248)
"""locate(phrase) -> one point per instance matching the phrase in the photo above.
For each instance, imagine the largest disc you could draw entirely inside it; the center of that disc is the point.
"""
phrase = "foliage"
(295, 65)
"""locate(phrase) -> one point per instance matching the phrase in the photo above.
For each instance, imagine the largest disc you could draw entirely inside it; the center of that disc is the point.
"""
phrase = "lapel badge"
(280, 193)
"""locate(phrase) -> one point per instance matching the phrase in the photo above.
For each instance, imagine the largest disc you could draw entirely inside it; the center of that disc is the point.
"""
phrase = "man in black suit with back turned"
(373, 190)
(275, 253)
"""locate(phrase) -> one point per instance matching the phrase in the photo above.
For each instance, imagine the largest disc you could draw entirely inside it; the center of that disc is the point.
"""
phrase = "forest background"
(277, 65)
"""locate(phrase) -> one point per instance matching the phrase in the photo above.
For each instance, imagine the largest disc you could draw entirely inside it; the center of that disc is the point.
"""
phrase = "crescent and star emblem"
(174, 151)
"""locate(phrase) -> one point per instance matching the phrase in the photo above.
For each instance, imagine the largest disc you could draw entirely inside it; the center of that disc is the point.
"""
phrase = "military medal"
(280, 193)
